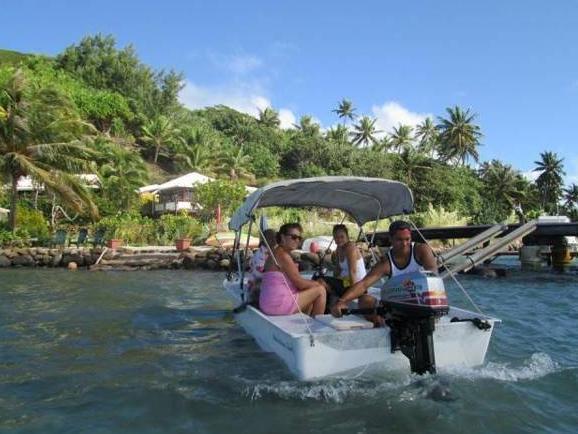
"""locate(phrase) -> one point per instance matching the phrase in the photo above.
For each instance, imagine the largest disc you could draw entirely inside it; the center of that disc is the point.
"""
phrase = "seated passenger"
(283, 290)
(257, 264)
(350, 267)
(404, 257)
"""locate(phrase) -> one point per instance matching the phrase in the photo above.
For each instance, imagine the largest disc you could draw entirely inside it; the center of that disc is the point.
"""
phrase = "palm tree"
(236, 164)
(196, 150)
(364, 132)
(459, 137)
(504, 185)
(571, 199)
(549, 182)
(408, 162)
(338, 135)
(40, 137)
(122, 173)
(571, 196)
(308, 126)
(383, 145)
(160, 133)
(345, 110)
(401, 137)
(269, 118)
(428, 136)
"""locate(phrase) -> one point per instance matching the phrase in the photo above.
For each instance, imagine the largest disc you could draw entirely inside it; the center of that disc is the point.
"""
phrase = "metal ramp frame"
(481, 255)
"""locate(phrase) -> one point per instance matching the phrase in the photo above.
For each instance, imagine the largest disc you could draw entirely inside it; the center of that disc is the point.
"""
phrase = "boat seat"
(350, 322)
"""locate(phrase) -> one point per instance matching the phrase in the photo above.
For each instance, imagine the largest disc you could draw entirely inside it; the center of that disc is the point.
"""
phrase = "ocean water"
(159, 352)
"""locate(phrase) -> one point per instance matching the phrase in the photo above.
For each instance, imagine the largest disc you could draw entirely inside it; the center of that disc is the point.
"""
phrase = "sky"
(513, 63)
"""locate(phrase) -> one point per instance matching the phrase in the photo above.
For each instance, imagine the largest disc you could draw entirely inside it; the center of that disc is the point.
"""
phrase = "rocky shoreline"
(159, 258)
(127, 259)
(119, 259)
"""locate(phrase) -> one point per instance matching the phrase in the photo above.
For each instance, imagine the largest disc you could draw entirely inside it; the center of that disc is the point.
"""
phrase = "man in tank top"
(403, 257)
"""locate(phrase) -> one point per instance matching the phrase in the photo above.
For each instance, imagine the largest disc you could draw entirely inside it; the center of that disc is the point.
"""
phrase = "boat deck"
(300, 325)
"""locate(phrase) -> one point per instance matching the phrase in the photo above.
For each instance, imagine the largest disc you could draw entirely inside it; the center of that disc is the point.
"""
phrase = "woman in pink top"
(257, 264)
(283, 290)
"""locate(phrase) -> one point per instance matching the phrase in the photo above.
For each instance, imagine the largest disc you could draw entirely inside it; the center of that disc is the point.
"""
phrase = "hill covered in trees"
(96, 108)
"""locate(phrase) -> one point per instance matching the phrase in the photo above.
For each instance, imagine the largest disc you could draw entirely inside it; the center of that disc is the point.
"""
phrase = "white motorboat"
(418, 338)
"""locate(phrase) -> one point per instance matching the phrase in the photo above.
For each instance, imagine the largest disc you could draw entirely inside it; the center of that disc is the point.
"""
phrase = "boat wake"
(335, 390)
(405, 387)
(537, 366)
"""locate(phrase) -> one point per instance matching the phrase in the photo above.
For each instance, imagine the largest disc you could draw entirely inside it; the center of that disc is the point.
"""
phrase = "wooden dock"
(545, 233)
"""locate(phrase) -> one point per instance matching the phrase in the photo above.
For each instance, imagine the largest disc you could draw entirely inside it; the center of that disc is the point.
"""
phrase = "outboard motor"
(410, 304)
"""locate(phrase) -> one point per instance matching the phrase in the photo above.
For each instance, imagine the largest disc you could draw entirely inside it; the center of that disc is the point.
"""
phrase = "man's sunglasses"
(295, 237)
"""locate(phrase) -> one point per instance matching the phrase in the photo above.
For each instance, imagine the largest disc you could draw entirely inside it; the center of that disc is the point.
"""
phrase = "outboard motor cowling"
(422, 288)
(413, 301)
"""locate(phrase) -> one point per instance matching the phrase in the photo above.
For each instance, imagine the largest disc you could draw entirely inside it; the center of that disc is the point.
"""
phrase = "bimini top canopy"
(364, 199)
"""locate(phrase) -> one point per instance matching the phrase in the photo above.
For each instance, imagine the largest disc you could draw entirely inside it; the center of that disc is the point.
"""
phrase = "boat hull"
(312, 349)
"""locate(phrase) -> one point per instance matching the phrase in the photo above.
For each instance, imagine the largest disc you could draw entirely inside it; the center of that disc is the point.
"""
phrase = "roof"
(186, 181)
(26, 183)
(364, 199)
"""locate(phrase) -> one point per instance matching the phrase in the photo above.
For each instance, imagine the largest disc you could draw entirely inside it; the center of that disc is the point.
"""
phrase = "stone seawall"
(126, 259)
(120, 259)
(151, 258)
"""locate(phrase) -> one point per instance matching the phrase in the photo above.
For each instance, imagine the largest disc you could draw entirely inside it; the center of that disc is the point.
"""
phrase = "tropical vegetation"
(97, 109)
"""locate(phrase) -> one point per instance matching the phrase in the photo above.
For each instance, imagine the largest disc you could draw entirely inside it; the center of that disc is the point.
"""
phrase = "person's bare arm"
(351, 255)
(288, 267)
(360, 287)
(425, 256)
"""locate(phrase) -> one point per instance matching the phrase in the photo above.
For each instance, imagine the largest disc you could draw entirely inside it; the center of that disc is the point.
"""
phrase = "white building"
(178, 194)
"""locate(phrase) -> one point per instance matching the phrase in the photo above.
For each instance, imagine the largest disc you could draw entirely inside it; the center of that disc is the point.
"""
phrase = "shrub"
(31, 222)
(228, 194)
(6, 237)
(172, 227)
(439, 217)
(138, 230)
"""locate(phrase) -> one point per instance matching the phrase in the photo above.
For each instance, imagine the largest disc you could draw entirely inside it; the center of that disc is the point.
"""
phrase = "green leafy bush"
(172, 227)
(6, 237)
(138, 230)
(31, 222)
(228, 194)
(20, 238)
(439, 217)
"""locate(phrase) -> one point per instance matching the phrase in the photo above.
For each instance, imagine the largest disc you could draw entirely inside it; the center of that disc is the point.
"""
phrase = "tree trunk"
(157, 150)
(13, 202)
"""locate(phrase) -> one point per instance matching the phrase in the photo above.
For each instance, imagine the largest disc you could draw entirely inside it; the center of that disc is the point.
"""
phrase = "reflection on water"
(160, 352)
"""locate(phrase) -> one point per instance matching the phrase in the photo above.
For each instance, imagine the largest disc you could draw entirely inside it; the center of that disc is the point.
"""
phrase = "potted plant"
(116, 239)
(182, 237)
(185, 229)
(183, 243)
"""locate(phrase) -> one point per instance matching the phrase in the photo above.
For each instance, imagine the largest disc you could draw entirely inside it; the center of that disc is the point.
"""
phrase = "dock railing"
(491, 250)
(472, 242)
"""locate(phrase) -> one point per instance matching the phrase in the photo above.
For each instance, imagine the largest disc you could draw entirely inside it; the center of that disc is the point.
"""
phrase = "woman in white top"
(350, 267)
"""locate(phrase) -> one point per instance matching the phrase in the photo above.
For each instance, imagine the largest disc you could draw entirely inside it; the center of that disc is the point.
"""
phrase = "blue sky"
(513, 63)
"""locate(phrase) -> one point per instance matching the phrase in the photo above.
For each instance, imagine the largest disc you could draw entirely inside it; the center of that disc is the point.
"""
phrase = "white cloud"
(238, 64)
(287, 119)
(572, 172)
(391, 114)
(243, 97)
(242, 64)
(530, 175)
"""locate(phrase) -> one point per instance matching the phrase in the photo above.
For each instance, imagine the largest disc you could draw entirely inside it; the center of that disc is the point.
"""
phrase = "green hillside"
(137, 132)
(9, 57)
